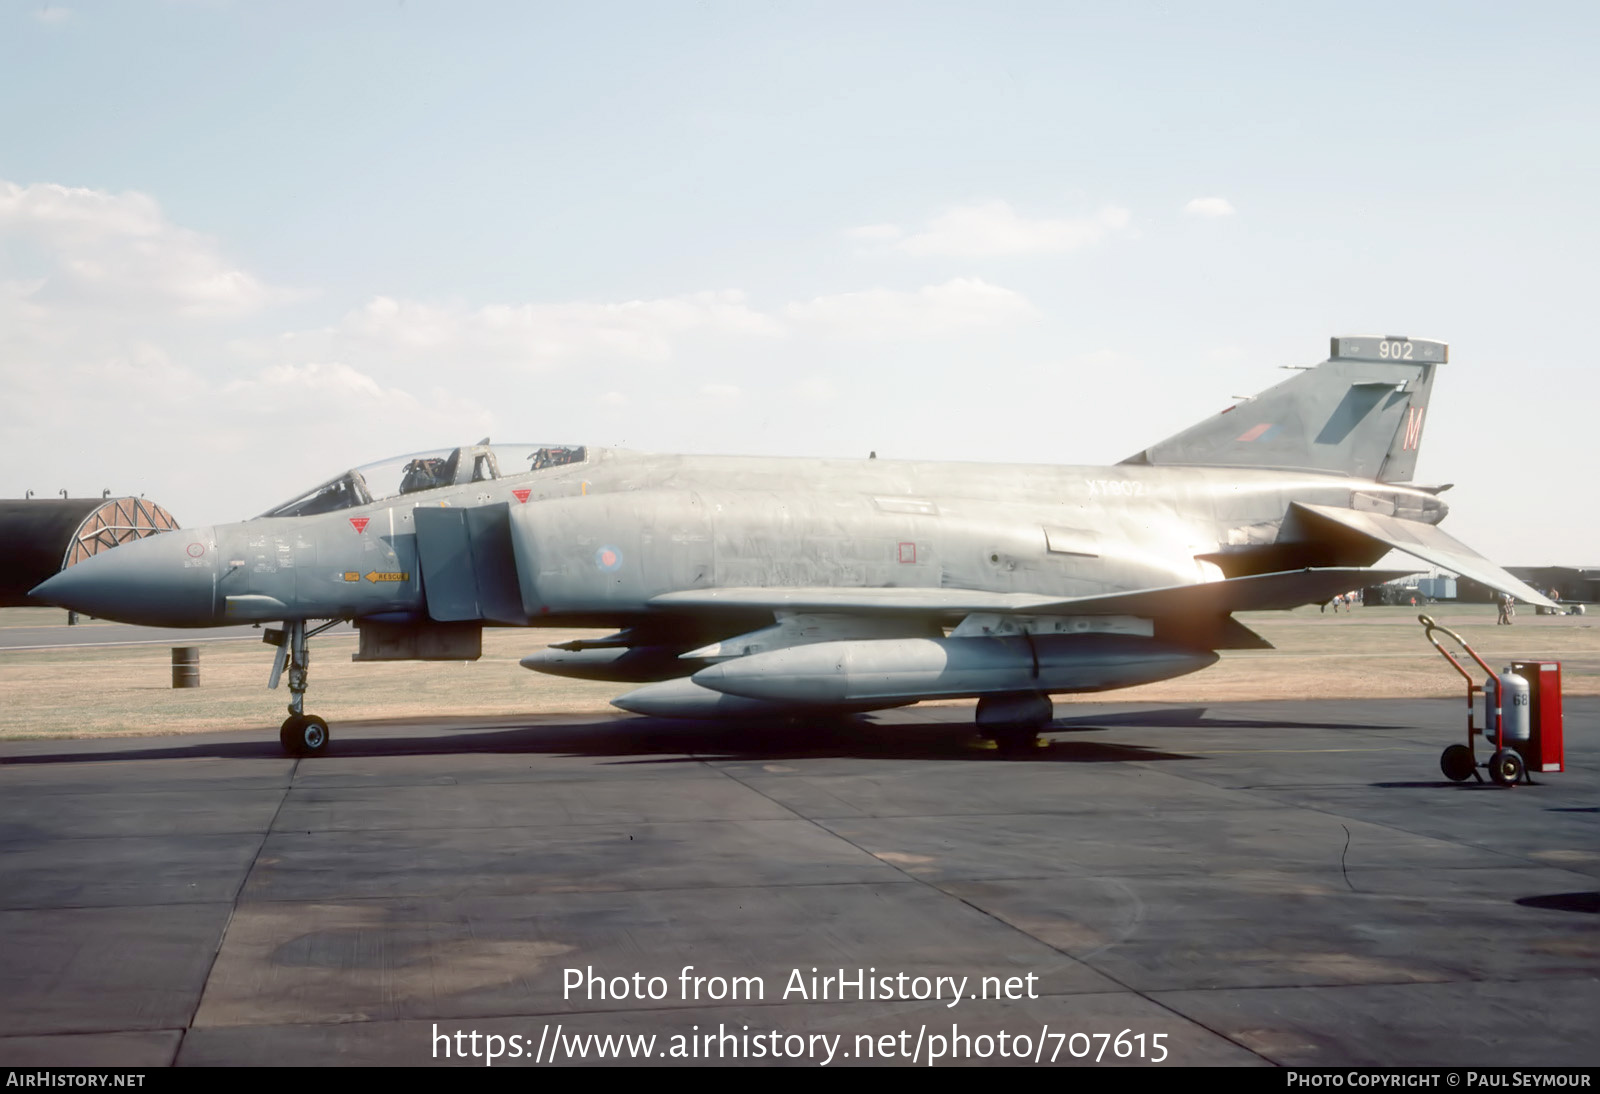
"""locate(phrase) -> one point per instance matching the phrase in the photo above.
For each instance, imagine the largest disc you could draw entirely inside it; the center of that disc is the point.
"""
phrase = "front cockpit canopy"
(421, 471)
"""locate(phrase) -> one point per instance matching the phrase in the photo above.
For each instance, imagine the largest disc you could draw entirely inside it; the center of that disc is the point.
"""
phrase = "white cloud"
(322, 382)
(875, 233)
(544, 334)
(992, 228)
(1209, 207)
(98, 292)
(218, 448)
(317, 394)
(929, 311)
(81, 249)
(53, 14)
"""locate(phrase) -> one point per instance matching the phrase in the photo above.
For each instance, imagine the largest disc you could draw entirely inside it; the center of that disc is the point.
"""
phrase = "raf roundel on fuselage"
(419, 471)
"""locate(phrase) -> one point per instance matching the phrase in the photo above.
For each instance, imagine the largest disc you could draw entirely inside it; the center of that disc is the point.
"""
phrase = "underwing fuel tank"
(636, 664)
(907, 669)
(683, 698)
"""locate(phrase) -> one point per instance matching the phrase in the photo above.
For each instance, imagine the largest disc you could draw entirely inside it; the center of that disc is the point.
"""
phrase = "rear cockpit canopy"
(421, 471)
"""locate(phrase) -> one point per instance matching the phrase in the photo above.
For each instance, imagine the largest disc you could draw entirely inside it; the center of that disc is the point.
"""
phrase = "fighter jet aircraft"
(742, 586)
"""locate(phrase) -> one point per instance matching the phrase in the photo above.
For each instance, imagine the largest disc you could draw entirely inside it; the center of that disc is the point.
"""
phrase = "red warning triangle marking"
(522, 495)
(359, 523)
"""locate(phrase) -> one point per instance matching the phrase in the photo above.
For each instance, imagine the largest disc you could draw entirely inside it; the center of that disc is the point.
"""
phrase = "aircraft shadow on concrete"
(1195, 717)
(1588, 903)
(1485, 786)
(651, 740)
(663, 740)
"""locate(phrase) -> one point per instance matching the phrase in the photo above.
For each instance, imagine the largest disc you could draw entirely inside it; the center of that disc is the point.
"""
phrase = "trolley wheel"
(1505, 767)
(1457, 763)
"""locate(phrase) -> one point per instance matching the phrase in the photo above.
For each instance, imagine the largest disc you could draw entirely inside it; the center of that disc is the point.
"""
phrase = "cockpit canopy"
(420, 471)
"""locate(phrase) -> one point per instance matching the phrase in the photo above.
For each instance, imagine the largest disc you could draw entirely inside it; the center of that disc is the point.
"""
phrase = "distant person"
(1506, 610)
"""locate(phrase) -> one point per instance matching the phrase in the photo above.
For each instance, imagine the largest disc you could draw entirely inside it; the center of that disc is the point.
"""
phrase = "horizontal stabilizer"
(1422, 541)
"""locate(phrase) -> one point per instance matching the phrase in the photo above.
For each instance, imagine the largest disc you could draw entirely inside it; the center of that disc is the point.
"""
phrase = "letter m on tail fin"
(1358, 413)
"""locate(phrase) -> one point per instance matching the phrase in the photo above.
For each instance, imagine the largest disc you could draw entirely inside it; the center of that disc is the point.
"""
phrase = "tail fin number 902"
(1395, 351)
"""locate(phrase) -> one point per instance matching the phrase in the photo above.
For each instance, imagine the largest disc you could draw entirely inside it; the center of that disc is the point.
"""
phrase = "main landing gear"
(1013, 722)
(301, 734)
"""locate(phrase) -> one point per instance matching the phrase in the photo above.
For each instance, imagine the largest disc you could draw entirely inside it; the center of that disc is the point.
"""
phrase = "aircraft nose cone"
(166, 580)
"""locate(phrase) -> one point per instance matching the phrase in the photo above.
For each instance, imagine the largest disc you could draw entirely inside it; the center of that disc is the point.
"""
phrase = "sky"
(246, 246)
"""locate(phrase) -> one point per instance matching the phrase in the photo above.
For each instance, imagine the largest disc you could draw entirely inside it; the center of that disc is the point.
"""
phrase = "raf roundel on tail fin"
(1359, 413)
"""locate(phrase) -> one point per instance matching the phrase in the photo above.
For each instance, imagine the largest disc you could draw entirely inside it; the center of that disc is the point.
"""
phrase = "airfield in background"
(80, 688)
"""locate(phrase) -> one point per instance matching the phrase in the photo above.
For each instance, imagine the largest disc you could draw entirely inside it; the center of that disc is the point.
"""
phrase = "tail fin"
(1358, 413)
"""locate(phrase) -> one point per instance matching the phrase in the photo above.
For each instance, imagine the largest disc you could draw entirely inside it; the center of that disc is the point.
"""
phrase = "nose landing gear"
(301, 734)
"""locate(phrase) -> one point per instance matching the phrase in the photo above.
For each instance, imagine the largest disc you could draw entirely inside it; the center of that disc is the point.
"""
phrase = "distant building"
(1437, 588)
(1571, 584)
(40, 537)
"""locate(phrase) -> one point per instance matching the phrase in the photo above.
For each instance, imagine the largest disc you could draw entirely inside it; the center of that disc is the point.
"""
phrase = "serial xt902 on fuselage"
(741, 586)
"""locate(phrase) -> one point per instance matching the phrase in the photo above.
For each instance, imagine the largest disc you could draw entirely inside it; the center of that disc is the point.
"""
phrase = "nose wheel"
(301, 734)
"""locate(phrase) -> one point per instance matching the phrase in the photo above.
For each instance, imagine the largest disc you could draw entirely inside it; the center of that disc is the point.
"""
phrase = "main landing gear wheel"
(1505, 767)
(1013, 721)
(1014, 741)
(1457, 763)
(304, 735)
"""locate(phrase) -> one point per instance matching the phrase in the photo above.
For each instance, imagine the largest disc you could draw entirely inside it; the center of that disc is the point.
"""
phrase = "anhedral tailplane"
(1420, 541)
(1359, 413)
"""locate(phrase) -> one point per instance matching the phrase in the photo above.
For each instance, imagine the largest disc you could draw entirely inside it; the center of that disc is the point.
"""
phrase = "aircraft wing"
(1258, 592)
(865, 649)
(846, 600)
(1428, 543)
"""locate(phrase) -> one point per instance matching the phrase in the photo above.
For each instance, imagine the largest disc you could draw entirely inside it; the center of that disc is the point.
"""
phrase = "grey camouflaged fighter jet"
(751, 587)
